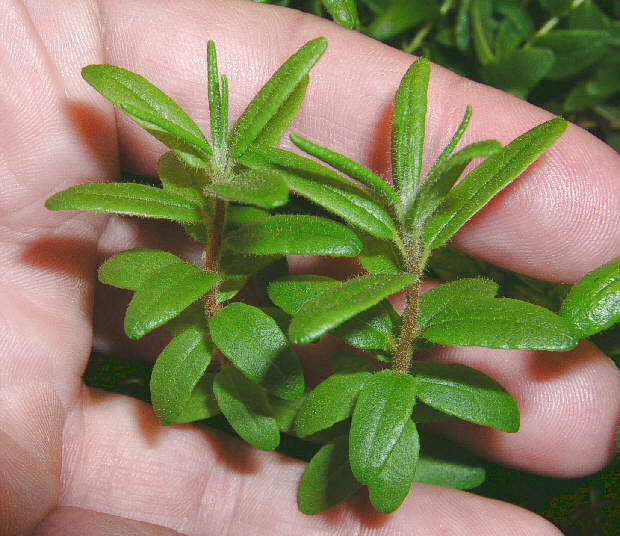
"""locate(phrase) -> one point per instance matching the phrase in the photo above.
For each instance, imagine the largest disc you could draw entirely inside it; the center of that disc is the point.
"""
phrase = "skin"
(78, 461)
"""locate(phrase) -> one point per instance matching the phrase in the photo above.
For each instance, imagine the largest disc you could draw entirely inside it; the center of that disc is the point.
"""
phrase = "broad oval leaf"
(294, 235)
(389, 489)
(123, 87)
(383, 408)
(489, 178)
(330, 402)
(328, 479)
(127, 199)
(201, 404)
(593, 303)
(466, 393)
(333, 308)
(265, 189)
(177, 370)
(501, 323)
(245, 405)
(255, 344)
(162, 296)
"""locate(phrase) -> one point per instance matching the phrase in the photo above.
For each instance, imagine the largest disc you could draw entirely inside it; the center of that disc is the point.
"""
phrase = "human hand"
(77, 461)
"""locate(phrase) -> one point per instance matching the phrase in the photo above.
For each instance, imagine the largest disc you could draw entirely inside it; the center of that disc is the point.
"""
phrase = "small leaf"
(346, 362)
(123, 87)
(239, 216)
(330, 402)
(593, 303)
(201, 404)
(400, 16)
(285, 412)
(127, 199)
(462, 34)
(344, 12)
(383, 407)
(481, 14)
(261, 188)
(177, 370)
(380, 256)
(466, 393)
(245, 406)
(273, 95)
(164, 295)
(255, 344)
(328, 479)
(291, 293)
(219, 128)
(489, 178)
(389, 489)
(180, 179)
(294, 235)
(333, 308)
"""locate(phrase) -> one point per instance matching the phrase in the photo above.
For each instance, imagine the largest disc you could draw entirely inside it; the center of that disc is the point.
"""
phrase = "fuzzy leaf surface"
(129, 269)
(255, 344)
(344, 12)
(180, 179)
(379, 256)
(261, 188)
(201, 404)
(383, 408)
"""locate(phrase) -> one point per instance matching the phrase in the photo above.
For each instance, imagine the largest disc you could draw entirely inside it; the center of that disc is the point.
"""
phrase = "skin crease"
(74, 457)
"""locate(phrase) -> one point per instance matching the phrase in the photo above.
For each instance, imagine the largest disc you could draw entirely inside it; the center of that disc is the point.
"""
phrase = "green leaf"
(346, 362)
(348, 167)
(261, 188)
(500, 323)
(400, 16)
(271, 135)
(294, 235)
(481, 14)
(331, 309)
(177, 370)
(379, 256)
(389, 489)
(489, 178)
(201, 404)
(593, 303)
(273, 95)
(330, 402)
(285, 412)
(408, 127)
(328, 479)
(462, 34)
(575, 50)
(466, 393)
(130, 90)
(127, 199)
(255, 344)
(444, 463)
(163, 295)
(383, 408)
(129, 269)
(246, 407)
(182, 180)
(219, 124)
(588, 16)
(344, 12)
(239, 216)
(291, 293)
(557, 7)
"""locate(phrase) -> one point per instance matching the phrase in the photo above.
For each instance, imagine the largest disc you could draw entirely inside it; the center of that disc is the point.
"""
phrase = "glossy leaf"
(389, 489)
(331, 309)
(330, 402)
(163, 295)
(344, 12)
(400, 16)
(246, 407)
(328, 479)
(180, 179)
(261, 188)
(123, 87)
(127, 199)
(255, 344)
(466, 393)
(489, 178)
(177, 370)
(593, 303)
(294, 235)
(273, 95)
(201, 404)
(383, 408)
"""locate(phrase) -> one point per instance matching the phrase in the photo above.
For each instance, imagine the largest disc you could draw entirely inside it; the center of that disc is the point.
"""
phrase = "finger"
(198, 482)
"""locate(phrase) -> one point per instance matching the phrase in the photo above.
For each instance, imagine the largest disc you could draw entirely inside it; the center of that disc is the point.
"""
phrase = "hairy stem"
(404, 355)
(213, 251)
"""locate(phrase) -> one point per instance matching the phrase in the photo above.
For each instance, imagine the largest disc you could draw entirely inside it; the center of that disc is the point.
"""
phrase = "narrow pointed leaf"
(383, 408)
(177, 370)
(261, 188)
(127, 199)
(162, 296)
(593, 303)
(129, 269)
(294, 235)
(481, 15)
(408, 127)
(255, 344)
(218, 128)
(500, 323)
(344, 12)
(466, 393)
(330, 402)
(123, 87)
(180, 179)
(389, 489)
(328, 479)
(273, 95)
(246, 407)
(331, 309)
(201, 404)
(489, 178)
